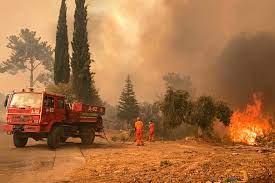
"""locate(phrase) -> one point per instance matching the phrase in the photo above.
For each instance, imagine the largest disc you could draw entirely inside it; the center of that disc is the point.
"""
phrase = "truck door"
(60, 109)
(48, 109)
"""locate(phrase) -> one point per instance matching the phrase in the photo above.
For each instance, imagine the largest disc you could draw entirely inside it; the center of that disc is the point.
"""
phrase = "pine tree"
(29, 53)
(128, 108)
(81, 60)
(62, 65)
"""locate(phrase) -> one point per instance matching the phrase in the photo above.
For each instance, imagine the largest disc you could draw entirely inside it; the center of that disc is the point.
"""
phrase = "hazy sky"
(38, 15)
(145, 39)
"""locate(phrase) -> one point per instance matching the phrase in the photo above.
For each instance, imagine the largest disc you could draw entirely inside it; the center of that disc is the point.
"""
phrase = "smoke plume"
(150, 38)
(246, 66)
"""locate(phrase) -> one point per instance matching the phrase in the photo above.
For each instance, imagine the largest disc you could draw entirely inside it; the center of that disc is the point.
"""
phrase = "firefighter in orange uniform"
(139, 131)
(151, 131)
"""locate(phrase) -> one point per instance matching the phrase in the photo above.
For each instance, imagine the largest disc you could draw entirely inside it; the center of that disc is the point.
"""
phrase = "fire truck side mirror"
(6, 101)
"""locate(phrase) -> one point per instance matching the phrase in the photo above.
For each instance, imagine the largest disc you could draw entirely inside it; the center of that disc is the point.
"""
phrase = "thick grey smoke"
(150, 38)
(182, 36)
(198, 38)
(246, 66)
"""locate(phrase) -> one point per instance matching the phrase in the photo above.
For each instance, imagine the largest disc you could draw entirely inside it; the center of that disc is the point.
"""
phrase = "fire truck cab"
(41, 115)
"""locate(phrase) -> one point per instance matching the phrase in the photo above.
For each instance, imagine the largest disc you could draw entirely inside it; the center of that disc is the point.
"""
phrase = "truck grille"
(22, 119)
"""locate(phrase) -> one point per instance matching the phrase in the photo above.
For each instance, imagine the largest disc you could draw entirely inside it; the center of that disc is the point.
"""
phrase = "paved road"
(36, 163)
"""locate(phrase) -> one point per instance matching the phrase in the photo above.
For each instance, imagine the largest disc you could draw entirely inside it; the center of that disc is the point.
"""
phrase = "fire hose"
(131, 134)
(105, 136)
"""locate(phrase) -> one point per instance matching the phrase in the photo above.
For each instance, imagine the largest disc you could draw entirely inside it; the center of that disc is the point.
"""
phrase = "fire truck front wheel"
(19, 141)
(87, 135)
(54, 137)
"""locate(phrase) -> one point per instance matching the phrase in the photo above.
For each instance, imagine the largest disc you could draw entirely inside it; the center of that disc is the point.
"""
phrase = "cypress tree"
(128, 106)
(62, 65)
(95, 97)
(81, 60)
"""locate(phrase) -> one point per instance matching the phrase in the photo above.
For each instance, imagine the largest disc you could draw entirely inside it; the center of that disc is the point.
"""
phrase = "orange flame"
(246, 125)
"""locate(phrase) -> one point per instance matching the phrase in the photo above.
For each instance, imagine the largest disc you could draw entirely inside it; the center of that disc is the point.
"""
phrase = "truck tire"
(54, 137)
(19, 141)
(87, 135)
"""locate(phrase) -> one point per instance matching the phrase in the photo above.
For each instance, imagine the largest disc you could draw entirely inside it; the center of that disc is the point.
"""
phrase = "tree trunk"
(31, 75)
(200, 132)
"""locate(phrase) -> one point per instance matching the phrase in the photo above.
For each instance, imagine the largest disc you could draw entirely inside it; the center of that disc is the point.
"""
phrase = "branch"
(27, 68)
(36, 66)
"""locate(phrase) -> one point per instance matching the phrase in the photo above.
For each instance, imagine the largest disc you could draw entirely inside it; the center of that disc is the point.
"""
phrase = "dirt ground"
(177, 161)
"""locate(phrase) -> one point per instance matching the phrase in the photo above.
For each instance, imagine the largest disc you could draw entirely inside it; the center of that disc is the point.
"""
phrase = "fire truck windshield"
(21, 100)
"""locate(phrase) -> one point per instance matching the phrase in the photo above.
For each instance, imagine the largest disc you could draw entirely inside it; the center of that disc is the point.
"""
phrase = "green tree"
(203, 112)
(110, 117)
(223, 112)
(63, 89)
(81, 60)
(28, 53)
(151, 112)
(128, 108)
(62, 61)
(95, 97)
(176, 108)
(177, 81)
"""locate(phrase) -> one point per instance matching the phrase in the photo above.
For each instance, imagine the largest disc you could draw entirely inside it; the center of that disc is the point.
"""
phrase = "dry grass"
(180, 161)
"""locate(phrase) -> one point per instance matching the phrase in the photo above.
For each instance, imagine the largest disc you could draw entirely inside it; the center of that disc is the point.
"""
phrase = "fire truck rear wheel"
(19, 141)
(87, 135)
(54, 137)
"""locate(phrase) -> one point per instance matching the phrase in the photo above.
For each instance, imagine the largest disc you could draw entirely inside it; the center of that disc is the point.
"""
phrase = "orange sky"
(142, 38)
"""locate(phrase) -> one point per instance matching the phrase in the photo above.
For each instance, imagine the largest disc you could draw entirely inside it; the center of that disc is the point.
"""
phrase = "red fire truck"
(41, 115)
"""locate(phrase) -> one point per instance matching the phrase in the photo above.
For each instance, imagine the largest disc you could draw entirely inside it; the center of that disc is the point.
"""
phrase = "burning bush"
(247, 125)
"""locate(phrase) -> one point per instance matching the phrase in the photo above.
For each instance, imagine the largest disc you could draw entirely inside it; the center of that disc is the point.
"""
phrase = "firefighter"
(151, 131)
(139, 131)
